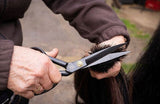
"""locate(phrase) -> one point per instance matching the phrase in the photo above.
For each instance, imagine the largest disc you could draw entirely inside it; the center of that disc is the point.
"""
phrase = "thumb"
(53, 53)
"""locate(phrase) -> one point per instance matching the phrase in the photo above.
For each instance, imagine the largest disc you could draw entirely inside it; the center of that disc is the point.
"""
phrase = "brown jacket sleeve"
(6, 49)
(93, 19)
(10, 35)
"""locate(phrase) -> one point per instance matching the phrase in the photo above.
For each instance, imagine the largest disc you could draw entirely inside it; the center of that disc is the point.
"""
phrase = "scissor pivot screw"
(79, 63)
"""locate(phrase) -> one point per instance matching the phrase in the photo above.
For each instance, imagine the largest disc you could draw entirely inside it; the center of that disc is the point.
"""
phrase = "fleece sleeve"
(93, 19)
(6, 50)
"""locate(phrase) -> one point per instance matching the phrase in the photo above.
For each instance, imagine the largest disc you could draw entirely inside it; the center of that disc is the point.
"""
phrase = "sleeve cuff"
(6, 50)
(115, 31)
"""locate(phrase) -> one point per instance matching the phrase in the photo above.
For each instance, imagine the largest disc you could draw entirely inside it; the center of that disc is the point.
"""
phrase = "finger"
(112, 72)
(113, 41)
(99, 75)
(46, 82)
(54, 74)
(53, 53)
(38, 89)
(28, 94)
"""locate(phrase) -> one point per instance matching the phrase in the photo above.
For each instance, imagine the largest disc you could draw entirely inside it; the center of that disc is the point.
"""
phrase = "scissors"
(96, 58)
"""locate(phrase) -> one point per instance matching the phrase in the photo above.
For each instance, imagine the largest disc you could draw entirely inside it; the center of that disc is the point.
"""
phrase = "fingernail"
(54, 50)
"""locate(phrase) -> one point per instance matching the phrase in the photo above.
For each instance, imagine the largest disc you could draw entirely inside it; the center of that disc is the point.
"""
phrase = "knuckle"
(40, 73)
(21, 90)
(115, 75)
(43, 67)
(29, 95)
(57, 78)
(46, 60)
(117, 70)
(92, 75)
(54, 75)
(30, 82)
(48, 86)
(98, 77)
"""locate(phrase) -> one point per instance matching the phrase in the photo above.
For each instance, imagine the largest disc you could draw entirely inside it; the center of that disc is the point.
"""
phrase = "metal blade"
(108, 57)
(96, 56)
(79, 64)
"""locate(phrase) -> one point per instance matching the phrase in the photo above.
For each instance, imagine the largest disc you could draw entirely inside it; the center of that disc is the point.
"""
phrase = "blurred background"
(42, 28)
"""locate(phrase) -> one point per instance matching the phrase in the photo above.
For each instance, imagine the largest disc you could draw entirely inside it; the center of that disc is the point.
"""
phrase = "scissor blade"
(96, 56)
(108, 57)
(79, 64)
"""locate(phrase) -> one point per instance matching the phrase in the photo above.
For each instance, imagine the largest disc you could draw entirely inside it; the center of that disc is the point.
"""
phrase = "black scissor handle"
(63, 73)
(54, 85)
(56, 61)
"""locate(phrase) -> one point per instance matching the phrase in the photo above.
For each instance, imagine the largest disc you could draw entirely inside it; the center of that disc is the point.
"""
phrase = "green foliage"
(134, 31)
(116, 10)
(128, 67)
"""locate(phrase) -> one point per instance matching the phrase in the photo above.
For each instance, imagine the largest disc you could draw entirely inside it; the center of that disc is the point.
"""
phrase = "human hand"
(32, 72)
(115, 69)
(112, 72)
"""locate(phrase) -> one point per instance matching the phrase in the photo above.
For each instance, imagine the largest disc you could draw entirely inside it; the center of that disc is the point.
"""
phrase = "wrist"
(113, 41)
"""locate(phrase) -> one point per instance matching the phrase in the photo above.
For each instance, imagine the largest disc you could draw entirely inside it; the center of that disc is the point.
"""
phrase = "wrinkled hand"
(112, 72)
(32, 72)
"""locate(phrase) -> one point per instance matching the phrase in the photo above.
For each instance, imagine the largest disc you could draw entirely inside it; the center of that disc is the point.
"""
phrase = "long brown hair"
(112, 90)
(145, 83)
